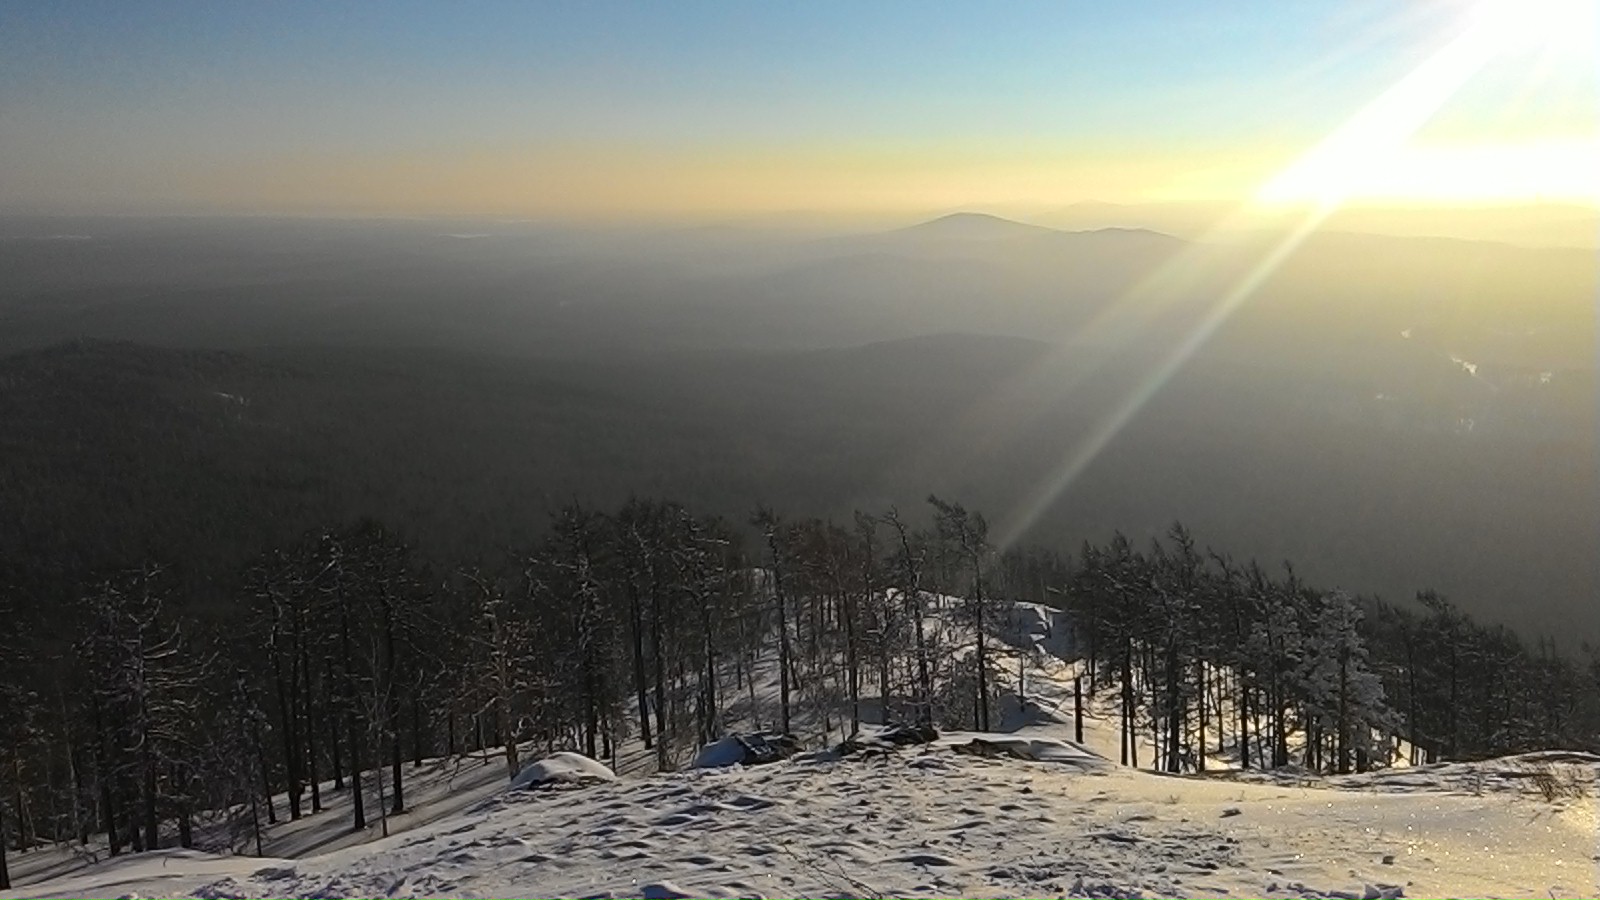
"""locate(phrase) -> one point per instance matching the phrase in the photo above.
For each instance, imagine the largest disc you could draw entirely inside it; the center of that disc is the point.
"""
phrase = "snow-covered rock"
(564, 767)
(1036, 749)
(746, 750)
(887, 739)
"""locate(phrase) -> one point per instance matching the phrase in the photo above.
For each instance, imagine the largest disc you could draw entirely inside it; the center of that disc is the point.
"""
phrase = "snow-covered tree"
(1342, 692)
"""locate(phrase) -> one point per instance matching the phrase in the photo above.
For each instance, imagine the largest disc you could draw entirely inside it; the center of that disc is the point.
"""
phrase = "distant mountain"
(1184, 220)
(1528, 225)
(968, 226)
(984, 235)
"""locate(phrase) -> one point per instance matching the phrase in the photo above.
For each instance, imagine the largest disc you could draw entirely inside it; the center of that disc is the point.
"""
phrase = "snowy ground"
(930, 821)
(933, 822)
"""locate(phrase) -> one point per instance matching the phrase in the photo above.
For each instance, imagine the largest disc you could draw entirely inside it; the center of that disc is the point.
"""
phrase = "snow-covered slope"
(934, 822)
(944, 819)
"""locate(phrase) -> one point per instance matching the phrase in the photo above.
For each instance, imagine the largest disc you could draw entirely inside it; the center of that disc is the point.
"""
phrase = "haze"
(700, 383)
(1378, 221)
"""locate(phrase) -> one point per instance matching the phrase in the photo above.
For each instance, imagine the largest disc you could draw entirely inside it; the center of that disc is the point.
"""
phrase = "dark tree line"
(346, 660)
(1211, 658)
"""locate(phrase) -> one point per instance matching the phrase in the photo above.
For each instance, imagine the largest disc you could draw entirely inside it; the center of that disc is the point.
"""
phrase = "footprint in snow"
(675, 819)
(923, 859)
(663, 890)
(750, 803)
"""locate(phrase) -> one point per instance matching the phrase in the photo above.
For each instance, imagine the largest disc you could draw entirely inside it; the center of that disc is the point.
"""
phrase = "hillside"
(530, 290)
(207, 458)
(1033, 813)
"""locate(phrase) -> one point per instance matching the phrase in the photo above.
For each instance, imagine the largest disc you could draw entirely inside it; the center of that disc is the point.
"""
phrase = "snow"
(720, 753)
(564, 768)
(745, 749)
(436, 790)
(1038, 749)
(929, 821)
(1020, 811)
(165, 873)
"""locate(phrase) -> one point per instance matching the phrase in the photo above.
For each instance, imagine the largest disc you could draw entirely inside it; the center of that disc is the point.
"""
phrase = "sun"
(1562, 25)
(1372, 154)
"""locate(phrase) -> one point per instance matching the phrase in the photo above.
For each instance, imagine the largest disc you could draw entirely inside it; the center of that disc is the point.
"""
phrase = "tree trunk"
(383, 804)
(783, 640)
(1129, 748)
(332, 720)
(135, 836)
(883, 686)
(255, 824)
(350, 720)
(79, 821)
(310, 732)
(291, 761)
(151, 832)
(750, 682)
(1244, 726)
(636, 619)
(513, 764)
(853, 662)
(658, 652)
(1455, 697)
(5, 873)
(1342, 746)
(396, 766)
(924, 677)
(391, 702)
(185, 828)
(1094, 643)
(416, 729)
(266, 781)
(590, 718)
(1174, 714)
(1077, 708)
(713, 721)
(983, 657)
(108, 806)
(1411, 699)
(1281, 751)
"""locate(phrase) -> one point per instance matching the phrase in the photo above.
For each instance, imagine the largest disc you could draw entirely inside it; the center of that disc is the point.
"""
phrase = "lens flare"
(1313, 187)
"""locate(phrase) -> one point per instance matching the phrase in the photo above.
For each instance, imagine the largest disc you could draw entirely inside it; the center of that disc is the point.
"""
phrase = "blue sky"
(129, 105)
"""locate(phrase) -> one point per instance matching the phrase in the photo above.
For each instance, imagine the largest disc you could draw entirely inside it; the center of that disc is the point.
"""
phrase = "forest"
(347, 655)
(294, 505)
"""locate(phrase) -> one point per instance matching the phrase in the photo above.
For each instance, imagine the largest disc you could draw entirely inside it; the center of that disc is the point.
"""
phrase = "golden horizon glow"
(1020, 115)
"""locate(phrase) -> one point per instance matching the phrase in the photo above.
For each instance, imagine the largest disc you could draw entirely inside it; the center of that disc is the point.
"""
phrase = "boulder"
(747, 750)
(562, 768)
(891, 737)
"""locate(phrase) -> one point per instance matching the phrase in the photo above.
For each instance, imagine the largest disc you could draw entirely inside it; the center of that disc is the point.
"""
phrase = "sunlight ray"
(1314, 186)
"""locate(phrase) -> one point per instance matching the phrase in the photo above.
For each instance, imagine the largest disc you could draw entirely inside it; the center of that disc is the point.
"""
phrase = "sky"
(605, 110)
